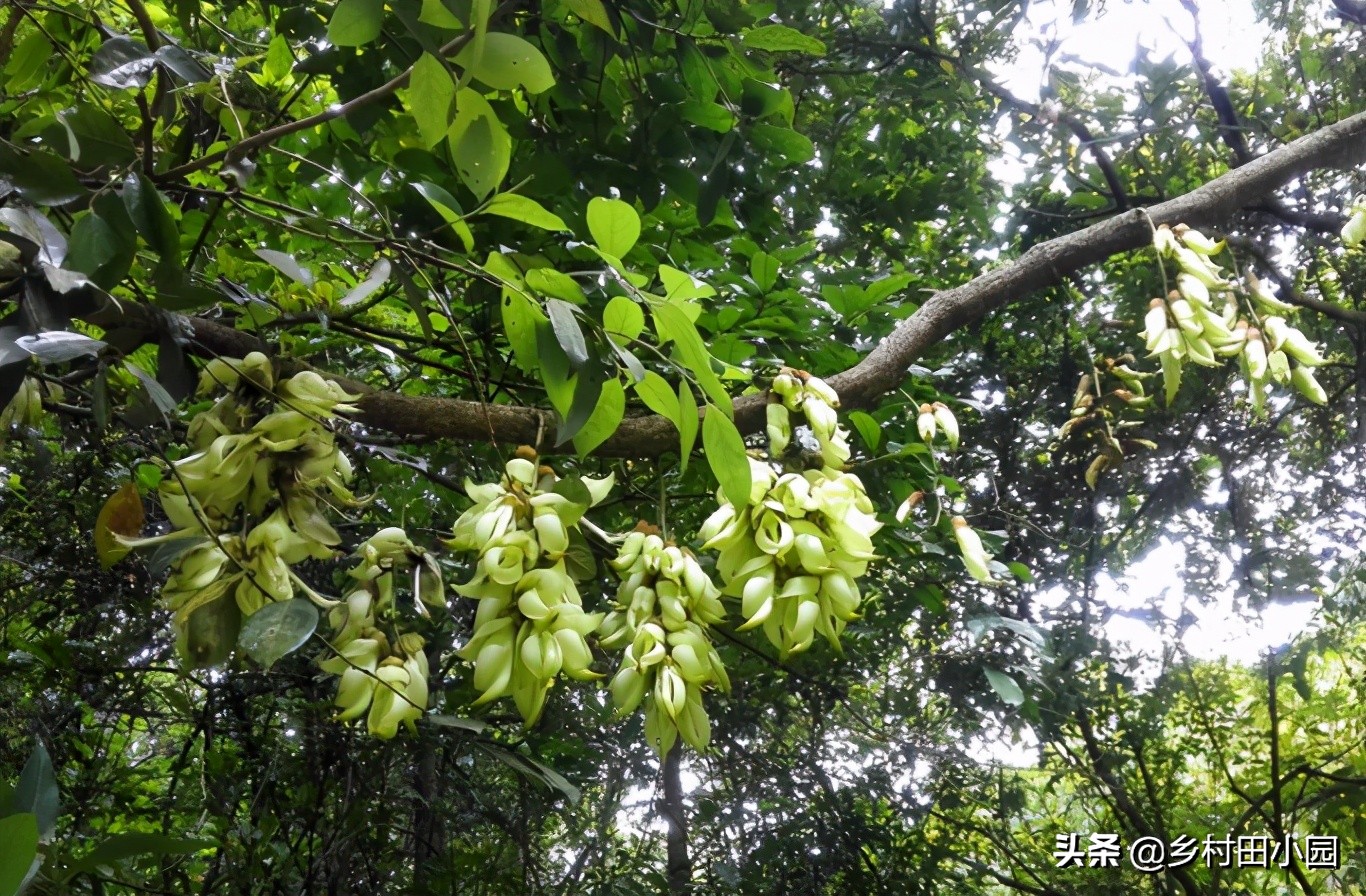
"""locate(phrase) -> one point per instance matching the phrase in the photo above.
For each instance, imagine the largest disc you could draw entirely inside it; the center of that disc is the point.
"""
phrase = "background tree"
(601, 230)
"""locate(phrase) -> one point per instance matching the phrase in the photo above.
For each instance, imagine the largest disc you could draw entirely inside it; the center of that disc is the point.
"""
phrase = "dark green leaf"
(36, 791)
(278, 629)
(19, 834)
(567, 332)
(151, 218)
(605, 419)
(40, 176)
(356, 22)
(122, 63)
(124, 846)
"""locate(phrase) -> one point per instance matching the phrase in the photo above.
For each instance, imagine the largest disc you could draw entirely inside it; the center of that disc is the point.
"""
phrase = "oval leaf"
(614, 224)
(567, 331)
(1005, 687)
(122, 515)
(725, 450)
(278, 629)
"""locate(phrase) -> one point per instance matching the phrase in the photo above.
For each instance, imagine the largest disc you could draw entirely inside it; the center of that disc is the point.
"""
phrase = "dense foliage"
(582, 447)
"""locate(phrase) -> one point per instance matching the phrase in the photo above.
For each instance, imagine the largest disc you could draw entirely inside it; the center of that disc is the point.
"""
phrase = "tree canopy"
(582, 448)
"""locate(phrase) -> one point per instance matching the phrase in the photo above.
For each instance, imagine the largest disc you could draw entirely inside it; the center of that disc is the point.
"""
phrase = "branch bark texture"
(1341, 145)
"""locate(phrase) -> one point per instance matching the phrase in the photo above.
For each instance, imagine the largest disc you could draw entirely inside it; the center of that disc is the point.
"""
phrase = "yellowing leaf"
(122, 515)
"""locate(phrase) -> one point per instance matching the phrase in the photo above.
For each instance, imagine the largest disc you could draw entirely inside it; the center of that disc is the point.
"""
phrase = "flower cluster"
(530, 624)
(665, 605)
(266, 464)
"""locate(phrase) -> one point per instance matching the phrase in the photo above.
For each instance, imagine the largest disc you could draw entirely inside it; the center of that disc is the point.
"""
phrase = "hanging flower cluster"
(1186, 325)
(382, 670)
(530, 625)
(793, 552)
(266, 464)
(664, 609)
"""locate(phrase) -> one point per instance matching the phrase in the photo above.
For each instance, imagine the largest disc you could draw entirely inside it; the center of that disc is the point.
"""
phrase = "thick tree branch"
(1339, 145)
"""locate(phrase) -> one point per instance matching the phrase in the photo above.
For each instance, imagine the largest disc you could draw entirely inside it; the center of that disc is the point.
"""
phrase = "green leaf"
(278, 629)
(782, 39)
(687, 423)
(556, 284)
(764, 269)
(554, 370)
(521, 317)
(594, 13)
(150, 216)
(28, 63)
(507, 62)
(42, 177)
(479, 143)
(659, 396)
(428, 96)
(614, 225)
(567, 332)
(438, 15)
(521, 208)
(623, 319)
(210, 632)
(605, 419)
(673, 325)
(709, 115)
(36, 792)
(96, 138)
(1005, 686)
(472, 725)
(99, 251)
(137, 843)
(122, 63)
(725, 450)
(356, 22)
(782, 143)
(19, 834)
(868, 428)
(449, 209)
(587, 385)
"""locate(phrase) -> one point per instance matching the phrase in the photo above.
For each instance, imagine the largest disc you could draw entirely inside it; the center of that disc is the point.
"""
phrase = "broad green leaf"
(1005, 686)
(479, 143)
(209, 633)
(567, 331)
(623, 319)
(42, 177)
(764, 269)
(687, 424)
(782, 39)
(712, 116)
(356, 22)
(153, 221)
(28, 63)
(725, 450)
(278, 629)
(507, 62)
(673, 325)
(96, 138)
(449, 209)
(680, 287)
(605, 419)
(428, 96)
(473, 725)
(521, 318)
(587, 386)
(524, 209)
(36, 791)
(556, 284)
(554, 369)
(99, 251)
(659, 396)
(136, 843)
(614, 225)
(122, 63)
(868, 428)
(279, 61)
(782, 144)
(438, 15)
(19, 836)
(594, 13)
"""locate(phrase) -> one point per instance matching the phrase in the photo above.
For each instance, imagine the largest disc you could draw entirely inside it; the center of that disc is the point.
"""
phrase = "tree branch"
(883, 370)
